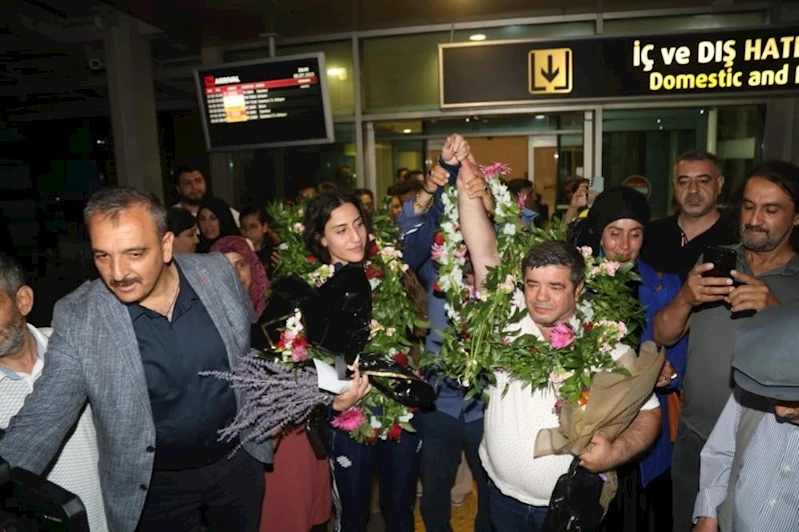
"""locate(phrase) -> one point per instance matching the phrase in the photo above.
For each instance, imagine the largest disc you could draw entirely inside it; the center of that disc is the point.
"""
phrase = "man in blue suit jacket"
(133, 343)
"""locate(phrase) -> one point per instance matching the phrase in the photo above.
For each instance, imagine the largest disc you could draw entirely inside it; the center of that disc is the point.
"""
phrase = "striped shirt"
(767, 492)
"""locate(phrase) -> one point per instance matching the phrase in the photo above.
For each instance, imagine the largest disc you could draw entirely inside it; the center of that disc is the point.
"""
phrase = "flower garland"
(393, 318)
(483, 335)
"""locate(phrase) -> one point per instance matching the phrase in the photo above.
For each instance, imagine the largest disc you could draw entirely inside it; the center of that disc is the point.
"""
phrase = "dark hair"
(261, 213)
(556, 253)
(364, 191)
(12, 277)
(227, 224)
(572, 184)
(317, 214)
(695, 156)
(515, 186)
(405, 187)
(111, 202)
(412, 175)
(179, 220)
(781, 173)
(400, 171)
(184, 169)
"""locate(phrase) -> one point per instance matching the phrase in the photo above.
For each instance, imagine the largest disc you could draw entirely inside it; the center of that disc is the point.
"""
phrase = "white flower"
(586, 251)
(283, 246)
(374, 283)
(509, 285)
(374, 422)
(406, 417)
(298, 227)
(509, 229)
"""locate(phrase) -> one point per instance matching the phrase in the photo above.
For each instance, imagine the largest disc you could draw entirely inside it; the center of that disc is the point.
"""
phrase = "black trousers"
(225, 495)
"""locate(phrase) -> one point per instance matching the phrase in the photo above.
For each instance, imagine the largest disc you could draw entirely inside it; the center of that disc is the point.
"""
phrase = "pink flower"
(436, 252)
(610, 267)
(461, 252)
(561, 336)
(299, 354)
(494, 170)
(350, 419)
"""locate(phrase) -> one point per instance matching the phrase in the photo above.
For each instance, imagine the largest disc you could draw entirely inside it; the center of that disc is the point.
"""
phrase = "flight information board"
(279, 101)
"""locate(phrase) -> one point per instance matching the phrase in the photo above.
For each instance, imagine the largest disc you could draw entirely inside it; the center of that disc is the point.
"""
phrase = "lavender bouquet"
(274, 396)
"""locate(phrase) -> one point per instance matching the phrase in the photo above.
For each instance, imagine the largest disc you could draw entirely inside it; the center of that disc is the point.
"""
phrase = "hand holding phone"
(724, 260)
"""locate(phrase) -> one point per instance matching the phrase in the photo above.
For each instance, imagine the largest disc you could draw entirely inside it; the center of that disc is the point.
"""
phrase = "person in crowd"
(554, 272)
(184, 226)
(615, 228)
(533, 211)
(713, 308)
(521, 485)
(191, 190)
(396, 206)
(673, 244)
(305, 193)
(579, 198)
(748, 481)
(367, 198)
(456, 425)
(344, 179)
(22, 360)
(297, 494)
(337, 233)
(415, 175)
(133, 343)
(215, 221)
(402, 175)
(255, 226)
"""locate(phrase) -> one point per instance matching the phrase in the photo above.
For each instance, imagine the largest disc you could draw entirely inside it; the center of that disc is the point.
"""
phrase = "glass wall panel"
(338, 57)
(646, 142)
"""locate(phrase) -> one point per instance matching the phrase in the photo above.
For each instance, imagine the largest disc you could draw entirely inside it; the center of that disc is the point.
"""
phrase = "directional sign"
(550, 71)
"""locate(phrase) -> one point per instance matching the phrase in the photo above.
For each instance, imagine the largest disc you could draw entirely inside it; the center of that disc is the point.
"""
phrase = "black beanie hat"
(618, 203)
(615, 203)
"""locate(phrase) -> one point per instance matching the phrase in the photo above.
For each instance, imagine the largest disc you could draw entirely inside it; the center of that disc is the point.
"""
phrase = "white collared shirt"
(513, 417)
(76, 468)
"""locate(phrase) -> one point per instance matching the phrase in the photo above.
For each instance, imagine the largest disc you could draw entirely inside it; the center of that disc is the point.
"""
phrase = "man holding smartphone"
(766, 274)
(673, 244)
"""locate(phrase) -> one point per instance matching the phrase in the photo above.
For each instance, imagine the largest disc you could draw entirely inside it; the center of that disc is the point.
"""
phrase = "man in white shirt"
(22, 357)
(191, 189)
(521, 485)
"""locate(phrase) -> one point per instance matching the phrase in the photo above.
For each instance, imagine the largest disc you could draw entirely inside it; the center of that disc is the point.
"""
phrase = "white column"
(712, 131)
(132, 97)
(359, 144)
(223, 185)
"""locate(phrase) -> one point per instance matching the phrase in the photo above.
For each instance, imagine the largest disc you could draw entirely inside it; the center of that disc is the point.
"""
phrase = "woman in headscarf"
(615, 228)
(215, 221)
(297, 494)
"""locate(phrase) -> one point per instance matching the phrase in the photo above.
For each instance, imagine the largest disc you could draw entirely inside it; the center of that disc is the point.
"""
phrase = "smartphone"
(597, 184)
(724, 260)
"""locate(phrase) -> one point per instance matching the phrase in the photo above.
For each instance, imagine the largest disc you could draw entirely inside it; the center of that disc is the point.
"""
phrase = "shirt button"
(143, 487)
(786, 470)
(150, 449)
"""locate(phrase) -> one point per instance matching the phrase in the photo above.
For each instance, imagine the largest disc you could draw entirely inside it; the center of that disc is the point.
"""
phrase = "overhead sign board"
(607, 68)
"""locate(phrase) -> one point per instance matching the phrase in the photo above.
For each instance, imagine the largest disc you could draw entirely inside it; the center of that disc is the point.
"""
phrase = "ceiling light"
(540, 117)
(477, 37)
(406, 131)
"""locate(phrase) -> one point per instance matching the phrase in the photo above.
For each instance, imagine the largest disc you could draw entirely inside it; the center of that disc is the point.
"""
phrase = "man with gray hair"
(134, 343)
(22, 359)
(750, 464)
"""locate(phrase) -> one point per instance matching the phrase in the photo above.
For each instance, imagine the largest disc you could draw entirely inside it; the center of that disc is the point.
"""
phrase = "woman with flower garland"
(614, 228)
(336, 232)
(297, 498)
